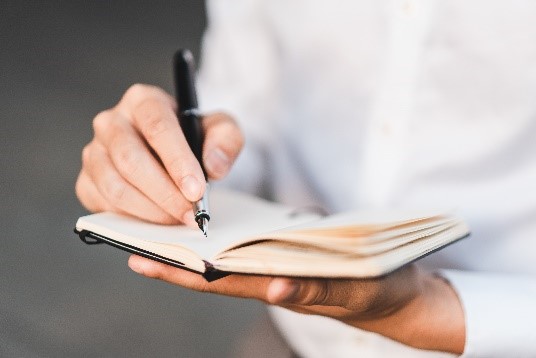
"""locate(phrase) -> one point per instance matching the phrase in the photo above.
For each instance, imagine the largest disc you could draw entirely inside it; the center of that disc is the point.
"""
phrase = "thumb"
(286, 291)
(223, 143)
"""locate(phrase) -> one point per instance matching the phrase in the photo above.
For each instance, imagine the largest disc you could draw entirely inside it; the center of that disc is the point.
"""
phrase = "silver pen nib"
(203, 225)
(202, 216)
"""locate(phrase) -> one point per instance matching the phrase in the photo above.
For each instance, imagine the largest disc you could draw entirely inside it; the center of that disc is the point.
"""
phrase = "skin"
(139, 163)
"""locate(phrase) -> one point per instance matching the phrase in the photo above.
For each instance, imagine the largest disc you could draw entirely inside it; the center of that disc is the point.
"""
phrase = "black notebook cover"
(91, 238)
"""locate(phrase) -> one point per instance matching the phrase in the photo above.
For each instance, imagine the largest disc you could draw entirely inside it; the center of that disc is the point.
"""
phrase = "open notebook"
(254, 236)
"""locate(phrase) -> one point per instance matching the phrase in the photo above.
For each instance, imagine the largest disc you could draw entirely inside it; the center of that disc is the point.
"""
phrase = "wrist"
(439, 321)
(433, 320)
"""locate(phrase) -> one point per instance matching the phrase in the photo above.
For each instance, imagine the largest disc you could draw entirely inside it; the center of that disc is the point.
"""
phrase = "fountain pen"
(190, 122)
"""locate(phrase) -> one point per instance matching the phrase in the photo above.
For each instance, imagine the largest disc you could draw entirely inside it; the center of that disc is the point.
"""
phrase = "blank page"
(235, 217)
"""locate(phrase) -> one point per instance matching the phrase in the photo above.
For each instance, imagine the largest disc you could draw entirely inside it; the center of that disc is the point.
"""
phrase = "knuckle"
(317, 295)
(128, 158)
(79, 188)
(321, 295)
(137, 90)
(155, 126)
(115, 190)
(152, 118)
(101, 121)
(86, 155)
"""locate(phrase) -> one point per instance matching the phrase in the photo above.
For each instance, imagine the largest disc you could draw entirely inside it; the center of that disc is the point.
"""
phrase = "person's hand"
(139, 162)
(415, 308)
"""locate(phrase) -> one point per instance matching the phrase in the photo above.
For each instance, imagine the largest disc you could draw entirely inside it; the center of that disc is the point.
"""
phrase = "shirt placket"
(388, 141)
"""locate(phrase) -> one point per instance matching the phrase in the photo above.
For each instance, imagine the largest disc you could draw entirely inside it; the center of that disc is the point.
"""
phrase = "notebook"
(250, 235)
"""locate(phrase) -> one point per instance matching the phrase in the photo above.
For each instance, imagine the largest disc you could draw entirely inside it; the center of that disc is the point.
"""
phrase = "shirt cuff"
(500, 313)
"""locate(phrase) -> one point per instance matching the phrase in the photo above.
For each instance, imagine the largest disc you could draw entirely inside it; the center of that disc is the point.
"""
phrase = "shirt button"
(408, 7)
(386, 129)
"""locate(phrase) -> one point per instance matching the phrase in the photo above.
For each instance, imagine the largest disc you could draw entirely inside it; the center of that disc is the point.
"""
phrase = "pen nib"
(203, 225)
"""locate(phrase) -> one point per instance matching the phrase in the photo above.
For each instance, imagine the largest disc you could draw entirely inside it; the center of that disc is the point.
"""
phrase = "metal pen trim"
(201, 210)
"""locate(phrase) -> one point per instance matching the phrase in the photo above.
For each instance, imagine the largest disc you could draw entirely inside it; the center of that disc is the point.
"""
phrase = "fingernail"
(282, 291)
(217, 161)
(191, 188)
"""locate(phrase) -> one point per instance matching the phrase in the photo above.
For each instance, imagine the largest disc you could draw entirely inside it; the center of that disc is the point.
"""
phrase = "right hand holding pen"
(139, 162)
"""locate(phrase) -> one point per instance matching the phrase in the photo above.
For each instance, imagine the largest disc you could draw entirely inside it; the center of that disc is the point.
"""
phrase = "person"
(355, 105)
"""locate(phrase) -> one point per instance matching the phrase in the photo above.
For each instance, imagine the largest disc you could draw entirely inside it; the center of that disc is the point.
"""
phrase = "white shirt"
(384, 104)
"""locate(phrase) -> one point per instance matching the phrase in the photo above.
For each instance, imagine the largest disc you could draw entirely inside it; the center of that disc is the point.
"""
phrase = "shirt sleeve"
(238, 75)
(500, 313)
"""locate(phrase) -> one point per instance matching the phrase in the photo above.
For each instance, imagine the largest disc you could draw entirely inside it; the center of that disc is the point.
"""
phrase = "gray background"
(61, 62)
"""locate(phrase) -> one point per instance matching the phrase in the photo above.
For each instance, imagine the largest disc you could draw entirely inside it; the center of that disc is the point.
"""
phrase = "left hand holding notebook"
(408, 305)
(140, 164)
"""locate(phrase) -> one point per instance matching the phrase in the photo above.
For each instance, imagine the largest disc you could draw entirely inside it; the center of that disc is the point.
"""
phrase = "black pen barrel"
(184, 66)
(189, 117)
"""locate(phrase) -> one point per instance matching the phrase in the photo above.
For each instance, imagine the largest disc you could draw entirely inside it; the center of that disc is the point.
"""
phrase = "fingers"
(302, 293)
(347, 300)
(151, 113)
(116, 191)
(88, 194)
(374, 297)
(243, 286)
(141, 151)
(136, 164)
(279, 291)
(287, 291)
(223, 142)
